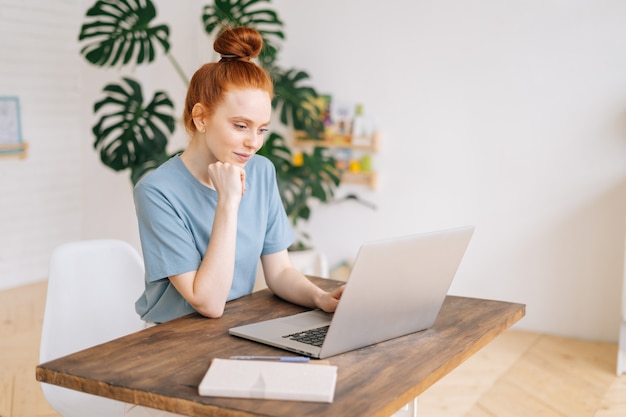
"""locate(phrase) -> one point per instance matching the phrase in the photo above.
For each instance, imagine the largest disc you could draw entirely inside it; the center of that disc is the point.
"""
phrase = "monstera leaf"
(276, 150)
(120, 31)
(296, 103)
(232, 13)
(316, 177)
(132, 135)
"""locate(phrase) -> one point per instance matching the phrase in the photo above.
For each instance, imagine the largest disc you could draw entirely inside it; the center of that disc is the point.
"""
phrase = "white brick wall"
(40, 196)
(62, 191)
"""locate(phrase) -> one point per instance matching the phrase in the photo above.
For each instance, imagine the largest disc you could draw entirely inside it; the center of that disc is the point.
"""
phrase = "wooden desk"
(162, 366)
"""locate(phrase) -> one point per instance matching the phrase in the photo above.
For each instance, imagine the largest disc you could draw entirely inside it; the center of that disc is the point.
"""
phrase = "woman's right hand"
(229, 180)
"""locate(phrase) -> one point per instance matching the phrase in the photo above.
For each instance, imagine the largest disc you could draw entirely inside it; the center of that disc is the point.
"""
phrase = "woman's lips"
(243, 157)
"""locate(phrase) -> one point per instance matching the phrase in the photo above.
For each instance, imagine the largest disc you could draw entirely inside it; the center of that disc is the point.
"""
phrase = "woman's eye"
(240, 126)
(264, 130)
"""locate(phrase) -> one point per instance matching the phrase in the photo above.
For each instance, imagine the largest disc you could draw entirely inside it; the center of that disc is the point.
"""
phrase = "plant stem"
(178, 69)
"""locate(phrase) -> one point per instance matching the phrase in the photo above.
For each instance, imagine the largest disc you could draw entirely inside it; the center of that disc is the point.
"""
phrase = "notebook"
(269, 380)
(397, 286)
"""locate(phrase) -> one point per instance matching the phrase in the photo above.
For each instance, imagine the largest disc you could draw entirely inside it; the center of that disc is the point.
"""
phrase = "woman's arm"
(290, 284)
(207, 288)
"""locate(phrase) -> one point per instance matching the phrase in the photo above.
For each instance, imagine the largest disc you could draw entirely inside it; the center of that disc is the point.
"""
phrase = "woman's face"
(237, 128)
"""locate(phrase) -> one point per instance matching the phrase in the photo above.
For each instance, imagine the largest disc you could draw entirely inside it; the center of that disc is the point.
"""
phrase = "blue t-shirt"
(175, 213)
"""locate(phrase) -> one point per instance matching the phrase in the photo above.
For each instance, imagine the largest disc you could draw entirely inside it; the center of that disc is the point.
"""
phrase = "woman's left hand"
(330, 300)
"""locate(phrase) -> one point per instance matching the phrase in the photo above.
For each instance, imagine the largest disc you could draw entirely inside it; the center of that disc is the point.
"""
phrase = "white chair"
(310, 262)
(92, 288)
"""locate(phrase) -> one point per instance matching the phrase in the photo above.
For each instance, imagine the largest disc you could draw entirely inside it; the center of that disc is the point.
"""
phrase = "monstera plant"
(132, 132)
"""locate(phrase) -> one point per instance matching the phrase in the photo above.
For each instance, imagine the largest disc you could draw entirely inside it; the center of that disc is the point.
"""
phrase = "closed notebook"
(269, 380)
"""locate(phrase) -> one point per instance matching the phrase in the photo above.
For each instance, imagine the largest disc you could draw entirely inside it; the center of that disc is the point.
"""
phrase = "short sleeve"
(167, 243)
(279, 234)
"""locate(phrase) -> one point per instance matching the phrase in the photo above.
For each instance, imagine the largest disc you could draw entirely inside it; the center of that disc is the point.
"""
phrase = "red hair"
(234, 71)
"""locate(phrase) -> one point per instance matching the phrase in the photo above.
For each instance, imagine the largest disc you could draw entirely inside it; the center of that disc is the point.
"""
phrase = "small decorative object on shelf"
(362, 128)
(351, 137)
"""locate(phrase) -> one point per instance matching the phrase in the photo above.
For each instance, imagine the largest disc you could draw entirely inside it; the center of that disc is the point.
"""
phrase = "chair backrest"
(92, 288)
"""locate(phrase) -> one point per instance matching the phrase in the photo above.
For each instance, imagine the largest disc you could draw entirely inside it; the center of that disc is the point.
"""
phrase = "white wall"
(504, 114)
(507, 115)
(40, 196)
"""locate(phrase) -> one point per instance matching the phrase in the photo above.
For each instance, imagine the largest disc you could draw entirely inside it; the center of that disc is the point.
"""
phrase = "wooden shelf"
(336, 141)
(359, 178)
(19, 150)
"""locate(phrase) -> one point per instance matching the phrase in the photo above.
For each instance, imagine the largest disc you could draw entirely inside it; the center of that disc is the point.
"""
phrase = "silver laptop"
(396, 287)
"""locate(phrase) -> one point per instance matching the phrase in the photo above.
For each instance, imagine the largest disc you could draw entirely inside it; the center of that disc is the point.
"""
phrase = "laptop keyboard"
(313, 337)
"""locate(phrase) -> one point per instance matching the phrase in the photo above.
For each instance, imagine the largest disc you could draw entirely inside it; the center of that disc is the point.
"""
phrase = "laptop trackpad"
(313, 318)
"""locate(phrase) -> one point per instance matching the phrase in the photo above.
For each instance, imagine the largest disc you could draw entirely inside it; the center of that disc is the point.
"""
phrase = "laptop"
(396, 287)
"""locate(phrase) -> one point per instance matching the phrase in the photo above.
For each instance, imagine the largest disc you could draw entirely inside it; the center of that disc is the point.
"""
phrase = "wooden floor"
(519, 374)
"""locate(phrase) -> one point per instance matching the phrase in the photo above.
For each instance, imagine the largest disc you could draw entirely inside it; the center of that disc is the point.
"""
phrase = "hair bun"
(238, 44)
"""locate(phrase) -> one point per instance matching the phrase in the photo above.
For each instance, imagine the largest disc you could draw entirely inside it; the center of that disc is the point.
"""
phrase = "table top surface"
(162, 366)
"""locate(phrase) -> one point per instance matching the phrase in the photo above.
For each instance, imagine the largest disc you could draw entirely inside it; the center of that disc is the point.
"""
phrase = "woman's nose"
(254, 141)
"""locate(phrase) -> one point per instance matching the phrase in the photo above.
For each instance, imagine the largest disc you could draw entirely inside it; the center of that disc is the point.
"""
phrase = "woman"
(208, 214)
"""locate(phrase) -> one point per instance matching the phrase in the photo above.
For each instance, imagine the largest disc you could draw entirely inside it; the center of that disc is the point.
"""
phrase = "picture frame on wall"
(11, 141)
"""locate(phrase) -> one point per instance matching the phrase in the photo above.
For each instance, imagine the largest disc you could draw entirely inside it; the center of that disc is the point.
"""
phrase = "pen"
(273, 358)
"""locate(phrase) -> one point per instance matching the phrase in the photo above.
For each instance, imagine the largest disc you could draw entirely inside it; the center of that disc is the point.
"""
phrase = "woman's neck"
(197, 161)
